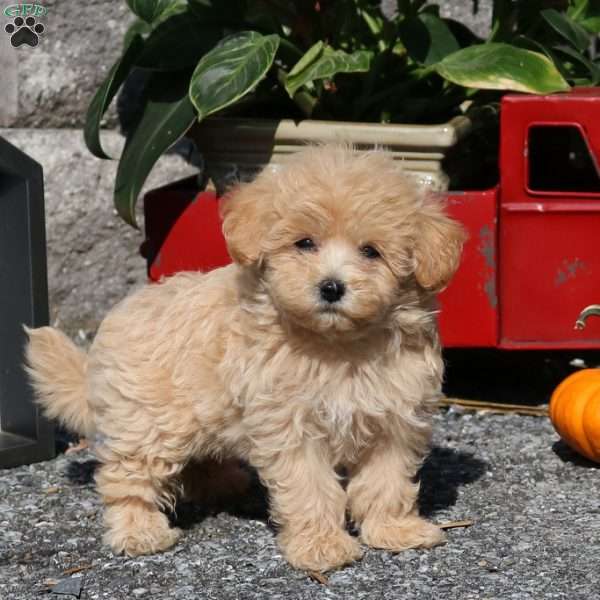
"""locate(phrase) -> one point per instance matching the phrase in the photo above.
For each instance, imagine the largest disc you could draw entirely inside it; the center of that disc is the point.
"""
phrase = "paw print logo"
(24, 31)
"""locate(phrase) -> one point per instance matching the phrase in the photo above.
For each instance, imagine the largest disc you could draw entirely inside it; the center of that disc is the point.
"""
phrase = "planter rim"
(391, 135)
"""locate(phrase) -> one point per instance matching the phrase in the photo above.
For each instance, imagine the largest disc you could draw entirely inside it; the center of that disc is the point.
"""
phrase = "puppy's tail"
(57, 369)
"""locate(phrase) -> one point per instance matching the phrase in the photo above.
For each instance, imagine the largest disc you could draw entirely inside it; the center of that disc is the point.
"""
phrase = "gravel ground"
(535, 507)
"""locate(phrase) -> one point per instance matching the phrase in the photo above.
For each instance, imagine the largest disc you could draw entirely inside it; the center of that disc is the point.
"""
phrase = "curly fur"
(248, 361)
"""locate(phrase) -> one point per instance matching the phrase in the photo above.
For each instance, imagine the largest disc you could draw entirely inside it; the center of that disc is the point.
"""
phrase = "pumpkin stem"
(588, 311)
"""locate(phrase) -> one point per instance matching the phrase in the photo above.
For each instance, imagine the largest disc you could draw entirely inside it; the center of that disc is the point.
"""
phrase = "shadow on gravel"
(81, 473)
(444, 471)
(250, 503)
(568, 455)
(513, 377)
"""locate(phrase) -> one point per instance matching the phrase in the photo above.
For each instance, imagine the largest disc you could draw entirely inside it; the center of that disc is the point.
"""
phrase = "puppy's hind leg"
(134, 492)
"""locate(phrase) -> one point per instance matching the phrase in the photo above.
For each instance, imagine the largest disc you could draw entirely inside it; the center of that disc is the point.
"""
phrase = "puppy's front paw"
(401, 534)
(144, 532)
(320, 552)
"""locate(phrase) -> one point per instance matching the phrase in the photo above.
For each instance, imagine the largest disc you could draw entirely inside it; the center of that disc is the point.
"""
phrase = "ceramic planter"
(236, 149)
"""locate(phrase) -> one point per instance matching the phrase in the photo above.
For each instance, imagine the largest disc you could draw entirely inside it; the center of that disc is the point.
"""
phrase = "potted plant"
(278, 72)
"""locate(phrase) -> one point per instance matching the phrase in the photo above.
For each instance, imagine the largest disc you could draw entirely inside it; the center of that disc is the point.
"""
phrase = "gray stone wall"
(56, 79)
(93, 258)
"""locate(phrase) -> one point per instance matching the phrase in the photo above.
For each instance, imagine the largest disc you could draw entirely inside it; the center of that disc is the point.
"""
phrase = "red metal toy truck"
(532, 263)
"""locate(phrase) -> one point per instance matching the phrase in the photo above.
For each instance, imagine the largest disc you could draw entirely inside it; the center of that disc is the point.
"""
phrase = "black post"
(25, 436)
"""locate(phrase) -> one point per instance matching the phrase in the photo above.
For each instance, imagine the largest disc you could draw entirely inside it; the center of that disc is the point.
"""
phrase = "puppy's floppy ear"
(247, 217)
(438, 246)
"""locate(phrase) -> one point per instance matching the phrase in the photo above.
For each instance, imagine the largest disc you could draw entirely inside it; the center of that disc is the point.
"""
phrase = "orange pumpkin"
(575, 412)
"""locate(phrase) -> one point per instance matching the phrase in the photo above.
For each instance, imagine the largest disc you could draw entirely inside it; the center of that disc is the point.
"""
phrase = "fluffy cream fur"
(248, 361)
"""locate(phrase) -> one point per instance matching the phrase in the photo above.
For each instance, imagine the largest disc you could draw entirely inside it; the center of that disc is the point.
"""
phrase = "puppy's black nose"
(332, 290)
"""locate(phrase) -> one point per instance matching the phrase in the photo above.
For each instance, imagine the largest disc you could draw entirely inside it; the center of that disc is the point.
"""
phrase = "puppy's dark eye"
(370, 252)
(305, 244)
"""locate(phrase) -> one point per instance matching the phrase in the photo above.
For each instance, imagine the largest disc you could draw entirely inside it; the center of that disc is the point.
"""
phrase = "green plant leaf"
(576, 35)
(138, 27)
(105, 93)
(582, 60)
(502, 20)
(167, 115)
(329, 63)
(151, 10)
(498, 66)
(231, 70)
(427, 38)
(592, 24)
(309, 57)
(527, 43)
(374, 22)
(577, 8)
(586, 13)
(574, 66)
(177, 42)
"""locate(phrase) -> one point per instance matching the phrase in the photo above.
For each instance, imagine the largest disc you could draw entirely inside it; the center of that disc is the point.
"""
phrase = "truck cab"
(532, 263)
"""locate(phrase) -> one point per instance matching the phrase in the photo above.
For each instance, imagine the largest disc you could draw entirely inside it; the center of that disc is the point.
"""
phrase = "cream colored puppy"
(317, 348)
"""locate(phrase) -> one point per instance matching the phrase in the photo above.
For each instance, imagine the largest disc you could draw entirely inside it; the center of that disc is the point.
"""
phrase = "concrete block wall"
(93, 258)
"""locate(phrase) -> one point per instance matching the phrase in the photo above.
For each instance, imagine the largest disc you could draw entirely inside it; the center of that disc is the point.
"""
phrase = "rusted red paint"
(469, 306)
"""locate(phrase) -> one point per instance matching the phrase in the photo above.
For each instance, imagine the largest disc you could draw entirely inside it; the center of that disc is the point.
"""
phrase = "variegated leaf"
(498, 66)
(231, 70)
(327, 64)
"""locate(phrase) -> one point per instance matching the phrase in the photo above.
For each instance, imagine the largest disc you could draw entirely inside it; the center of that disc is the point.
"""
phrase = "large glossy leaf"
(427, 38)
(105, 93)
(573, 33)
(231, 70)
(167, 115)
(501, 67)
(327, 64)
(177, 42)
(151, 10)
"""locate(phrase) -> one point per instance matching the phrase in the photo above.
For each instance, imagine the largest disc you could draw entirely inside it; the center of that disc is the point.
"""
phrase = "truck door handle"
(588, 311)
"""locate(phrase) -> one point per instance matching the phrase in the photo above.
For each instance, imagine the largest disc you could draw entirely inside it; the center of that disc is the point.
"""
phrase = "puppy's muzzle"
(332, 290)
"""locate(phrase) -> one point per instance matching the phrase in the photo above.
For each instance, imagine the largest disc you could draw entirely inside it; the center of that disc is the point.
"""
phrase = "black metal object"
(25, 436)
